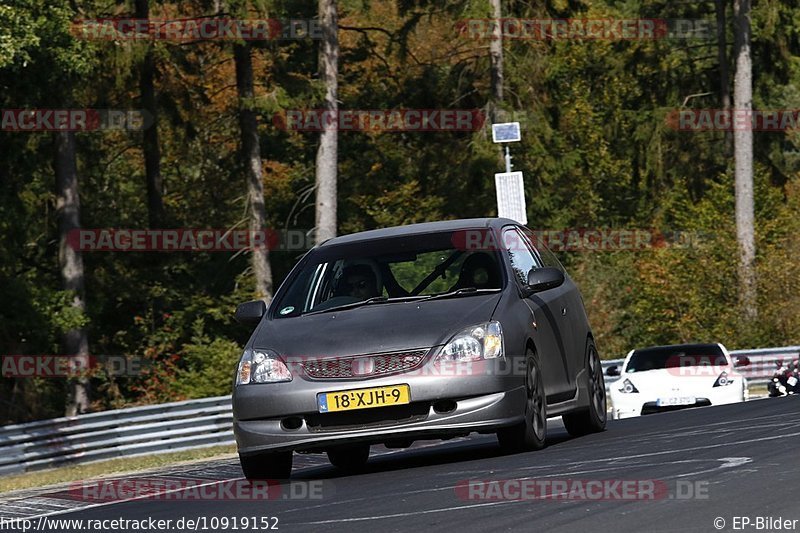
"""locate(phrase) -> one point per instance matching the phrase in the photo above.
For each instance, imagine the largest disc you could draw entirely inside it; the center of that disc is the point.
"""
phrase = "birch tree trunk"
(68, 208)
(251, 155)
(327, 153)
(743, 154)
(496, 60)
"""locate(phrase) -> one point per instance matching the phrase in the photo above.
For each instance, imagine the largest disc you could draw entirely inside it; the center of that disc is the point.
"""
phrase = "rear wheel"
(349, 458)
(592, 419)
(276, 465)
(531, 433)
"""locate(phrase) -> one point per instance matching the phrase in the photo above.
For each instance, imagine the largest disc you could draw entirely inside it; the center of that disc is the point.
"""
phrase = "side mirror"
(613, 370)
(741, 361)
(250, 312)
(542, 279)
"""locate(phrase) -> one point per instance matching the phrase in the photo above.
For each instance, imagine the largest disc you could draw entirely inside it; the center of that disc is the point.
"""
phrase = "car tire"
(593, 418)
(349, 458)
(531, 433)
(267, 466)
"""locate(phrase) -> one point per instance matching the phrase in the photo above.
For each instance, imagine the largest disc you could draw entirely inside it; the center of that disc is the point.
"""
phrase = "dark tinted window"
(676, 357)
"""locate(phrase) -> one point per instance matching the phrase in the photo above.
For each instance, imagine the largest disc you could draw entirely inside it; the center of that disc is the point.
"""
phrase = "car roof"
(417, 229)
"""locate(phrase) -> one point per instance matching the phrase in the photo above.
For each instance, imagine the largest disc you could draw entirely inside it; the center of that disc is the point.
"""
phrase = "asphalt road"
(715, 463)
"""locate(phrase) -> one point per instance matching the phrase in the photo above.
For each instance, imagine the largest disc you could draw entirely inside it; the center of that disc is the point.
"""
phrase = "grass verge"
(66, 474)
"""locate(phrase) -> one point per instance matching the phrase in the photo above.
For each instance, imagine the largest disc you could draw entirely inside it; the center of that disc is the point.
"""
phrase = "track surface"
(744, 456)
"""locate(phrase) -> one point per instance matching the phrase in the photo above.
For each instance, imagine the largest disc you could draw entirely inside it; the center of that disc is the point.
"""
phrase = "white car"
(666, 378)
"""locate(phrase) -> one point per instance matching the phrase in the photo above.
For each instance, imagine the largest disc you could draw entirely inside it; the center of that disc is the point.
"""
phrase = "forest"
(191, 132)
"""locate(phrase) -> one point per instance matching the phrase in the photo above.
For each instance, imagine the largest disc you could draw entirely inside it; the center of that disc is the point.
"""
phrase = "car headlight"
(723, 380)
(258, 366)
(484, 341)
(628, 387)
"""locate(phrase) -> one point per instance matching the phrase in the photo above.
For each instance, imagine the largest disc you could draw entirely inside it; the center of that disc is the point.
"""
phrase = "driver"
(359, 281)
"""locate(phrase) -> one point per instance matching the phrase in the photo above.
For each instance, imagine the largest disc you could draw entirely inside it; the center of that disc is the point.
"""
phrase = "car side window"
(545, 255)
(522, 257)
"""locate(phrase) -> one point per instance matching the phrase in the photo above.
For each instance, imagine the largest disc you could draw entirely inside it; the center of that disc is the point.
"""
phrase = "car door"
(575, 323)
(545, 309)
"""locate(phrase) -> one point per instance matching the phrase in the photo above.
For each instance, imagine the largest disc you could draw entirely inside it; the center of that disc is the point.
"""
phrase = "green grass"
(113, 466)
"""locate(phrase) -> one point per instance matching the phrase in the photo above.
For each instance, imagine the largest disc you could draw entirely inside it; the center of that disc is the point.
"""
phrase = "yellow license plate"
(349, 400)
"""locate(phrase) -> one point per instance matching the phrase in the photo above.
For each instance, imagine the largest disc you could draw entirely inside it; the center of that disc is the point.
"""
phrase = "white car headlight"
(258, 366)
(723, 380)
(484, 341)
(628, 387)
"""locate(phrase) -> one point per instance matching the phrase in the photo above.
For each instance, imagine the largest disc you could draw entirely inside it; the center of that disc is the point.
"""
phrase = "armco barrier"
(118, 433)
(191, 424)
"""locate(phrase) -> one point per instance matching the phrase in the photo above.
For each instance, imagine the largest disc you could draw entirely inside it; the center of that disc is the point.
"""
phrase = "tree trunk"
(724, 76)
(327, 157)
(152, 153)
(68, 208)
(496, 61)
(743, 154)
(251, 155)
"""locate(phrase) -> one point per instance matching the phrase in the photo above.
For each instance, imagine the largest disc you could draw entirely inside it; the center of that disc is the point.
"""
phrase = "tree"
(251, 155)
(743, 153)
(327, 152)
(68, 206)
(496, 59)
(152, 153)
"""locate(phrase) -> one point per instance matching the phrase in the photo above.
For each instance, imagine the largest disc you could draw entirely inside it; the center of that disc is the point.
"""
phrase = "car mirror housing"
(543, 279)
(613, 370)
(250, 312)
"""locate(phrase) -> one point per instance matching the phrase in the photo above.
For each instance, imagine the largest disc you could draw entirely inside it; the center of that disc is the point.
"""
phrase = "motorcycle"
(785, 380)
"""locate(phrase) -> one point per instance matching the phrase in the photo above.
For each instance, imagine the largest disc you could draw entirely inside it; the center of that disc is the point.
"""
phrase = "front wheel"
(592, 419)
(267, 466)
(531, 433)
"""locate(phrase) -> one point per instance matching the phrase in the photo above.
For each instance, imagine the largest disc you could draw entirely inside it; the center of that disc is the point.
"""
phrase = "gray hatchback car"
(425, 331)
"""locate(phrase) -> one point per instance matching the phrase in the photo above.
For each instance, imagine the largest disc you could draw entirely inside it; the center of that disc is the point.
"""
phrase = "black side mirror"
(250, 312)
(542, 279)
(741, 361)
(613, 370)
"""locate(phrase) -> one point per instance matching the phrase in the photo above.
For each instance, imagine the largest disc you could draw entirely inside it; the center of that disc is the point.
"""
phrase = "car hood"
(374, 328)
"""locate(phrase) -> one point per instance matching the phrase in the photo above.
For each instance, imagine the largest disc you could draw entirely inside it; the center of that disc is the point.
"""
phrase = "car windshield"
(676, 357)
(388, 269)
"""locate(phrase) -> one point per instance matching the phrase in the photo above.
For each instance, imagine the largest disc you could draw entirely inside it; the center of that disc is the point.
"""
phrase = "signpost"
(509, 185)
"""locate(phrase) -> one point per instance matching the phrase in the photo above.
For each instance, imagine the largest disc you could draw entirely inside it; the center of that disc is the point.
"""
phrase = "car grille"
(368, 418)
(365, 365)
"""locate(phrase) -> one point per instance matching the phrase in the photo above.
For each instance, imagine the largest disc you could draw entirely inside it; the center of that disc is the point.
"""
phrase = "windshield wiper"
(368, 301)
(459, 292)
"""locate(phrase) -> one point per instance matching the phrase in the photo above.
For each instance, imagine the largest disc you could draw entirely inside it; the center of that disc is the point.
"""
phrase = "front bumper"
(637, 404)
(441, 407)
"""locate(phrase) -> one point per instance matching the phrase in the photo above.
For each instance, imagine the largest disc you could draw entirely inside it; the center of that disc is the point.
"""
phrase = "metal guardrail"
(191, 424)
(118, 433)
